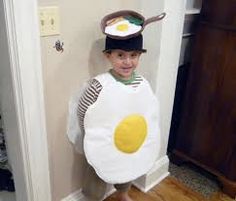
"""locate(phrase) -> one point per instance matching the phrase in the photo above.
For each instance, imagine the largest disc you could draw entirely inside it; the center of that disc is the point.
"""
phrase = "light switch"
(49, 20)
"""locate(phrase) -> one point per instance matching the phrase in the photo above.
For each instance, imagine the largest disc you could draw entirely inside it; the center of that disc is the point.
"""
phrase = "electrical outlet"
(49, 21)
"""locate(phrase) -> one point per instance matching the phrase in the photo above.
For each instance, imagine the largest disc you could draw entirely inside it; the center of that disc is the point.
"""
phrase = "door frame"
(27, 147)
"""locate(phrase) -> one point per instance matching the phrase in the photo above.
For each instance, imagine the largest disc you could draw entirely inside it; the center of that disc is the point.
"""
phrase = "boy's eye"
(120, 55)
(134, 55)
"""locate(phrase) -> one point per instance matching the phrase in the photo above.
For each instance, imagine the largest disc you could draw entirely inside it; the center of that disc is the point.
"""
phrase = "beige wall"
(64, 72)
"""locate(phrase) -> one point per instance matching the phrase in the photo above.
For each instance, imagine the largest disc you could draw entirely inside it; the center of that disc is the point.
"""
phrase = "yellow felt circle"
(122, 27)
(130, 133)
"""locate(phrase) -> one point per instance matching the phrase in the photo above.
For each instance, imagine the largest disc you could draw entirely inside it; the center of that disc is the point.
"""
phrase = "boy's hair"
(131, 44)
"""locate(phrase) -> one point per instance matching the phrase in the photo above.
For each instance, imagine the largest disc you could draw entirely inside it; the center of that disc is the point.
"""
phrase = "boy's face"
(124, 62)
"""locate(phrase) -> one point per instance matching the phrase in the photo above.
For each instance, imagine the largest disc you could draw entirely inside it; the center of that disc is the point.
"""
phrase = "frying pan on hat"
(129, 13)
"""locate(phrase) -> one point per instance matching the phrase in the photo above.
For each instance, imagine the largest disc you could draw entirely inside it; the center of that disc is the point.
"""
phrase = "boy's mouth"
(126, 68)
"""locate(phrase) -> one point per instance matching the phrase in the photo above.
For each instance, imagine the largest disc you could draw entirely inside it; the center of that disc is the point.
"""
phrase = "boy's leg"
(93, 187)
(123, 187)
(122, 191)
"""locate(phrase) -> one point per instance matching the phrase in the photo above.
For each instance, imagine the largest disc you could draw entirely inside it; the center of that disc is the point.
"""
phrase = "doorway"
(21, 100)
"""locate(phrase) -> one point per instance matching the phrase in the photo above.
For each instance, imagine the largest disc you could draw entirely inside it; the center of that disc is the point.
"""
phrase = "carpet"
(195, 178)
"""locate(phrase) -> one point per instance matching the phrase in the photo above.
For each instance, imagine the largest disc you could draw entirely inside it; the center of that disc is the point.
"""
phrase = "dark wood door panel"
(210, 100)
(219, 12)
(206, 134)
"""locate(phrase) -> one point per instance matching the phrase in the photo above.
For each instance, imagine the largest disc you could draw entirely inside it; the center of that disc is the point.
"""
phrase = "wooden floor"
(171, 190)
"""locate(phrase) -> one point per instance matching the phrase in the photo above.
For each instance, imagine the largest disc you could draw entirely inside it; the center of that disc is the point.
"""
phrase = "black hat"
(131, 44)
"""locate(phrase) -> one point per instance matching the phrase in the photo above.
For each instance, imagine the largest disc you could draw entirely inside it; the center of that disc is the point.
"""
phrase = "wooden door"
(207, 131)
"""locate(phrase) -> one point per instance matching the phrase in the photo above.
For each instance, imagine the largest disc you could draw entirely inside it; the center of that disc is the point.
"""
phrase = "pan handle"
(153, 19)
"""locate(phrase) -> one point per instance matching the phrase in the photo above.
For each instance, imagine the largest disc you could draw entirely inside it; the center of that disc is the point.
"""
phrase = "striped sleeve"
(91, 94)
(89, 97)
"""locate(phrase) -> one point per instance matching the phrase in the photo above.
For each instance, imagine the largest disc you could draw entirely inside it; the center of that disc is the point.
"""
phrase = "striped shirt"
(91, 94)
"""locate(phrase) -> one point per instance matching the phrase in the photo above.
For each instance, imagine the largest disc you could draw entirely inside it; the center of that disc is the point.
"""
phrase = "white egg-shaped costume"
(122, 135)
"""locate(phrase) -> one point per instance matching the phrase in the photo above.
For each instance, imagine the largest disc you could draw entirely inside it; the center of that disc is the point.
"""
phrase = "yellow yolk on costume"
(130, 133)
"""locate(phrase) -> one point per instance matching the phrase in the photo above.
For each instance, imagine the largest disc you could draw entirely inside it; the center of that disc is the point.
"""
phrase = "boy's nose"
(128, 61)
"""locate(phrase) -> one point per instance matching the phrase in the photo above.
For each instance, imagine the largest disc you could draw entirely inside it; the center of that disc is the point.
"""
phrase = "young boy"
(123, 56)
(118, 115)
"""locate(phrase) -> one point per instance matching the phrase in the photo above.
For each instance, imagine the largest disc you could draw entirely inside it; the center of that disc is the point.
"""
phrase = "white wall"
(171, 37)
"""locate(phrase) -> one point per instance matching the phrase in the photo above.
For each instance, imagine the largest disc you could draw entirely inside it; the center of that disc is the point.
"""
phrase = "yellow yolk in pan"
(130, 133)
(122, 27)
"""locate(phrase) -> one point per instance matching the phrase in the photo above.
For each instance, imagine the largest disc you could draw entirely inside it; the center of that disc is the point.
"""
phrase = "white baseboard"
(144, 183)
(155, 176)
(78, 195)
(75, 196)
(150, 186)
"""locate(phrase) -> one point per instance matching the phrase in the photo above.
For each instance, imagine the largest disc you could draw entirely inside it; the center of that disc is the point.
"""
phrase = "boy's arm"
(78, 106)
(88, 97)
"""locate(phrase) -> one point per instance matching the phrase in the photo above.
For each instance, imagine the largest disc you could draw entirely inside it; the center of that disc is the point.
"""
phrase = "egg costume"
(121, 128)
(122, 136)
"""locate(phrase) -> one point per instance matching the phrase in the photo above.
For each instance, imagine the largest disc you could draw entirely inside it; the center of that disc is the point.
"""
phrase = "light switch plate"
(49, 20)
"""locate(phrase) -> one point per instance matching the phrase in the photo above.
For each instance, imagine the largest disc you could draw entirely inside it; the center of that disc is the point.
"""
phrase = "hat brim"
(128, 50)
(131, 44)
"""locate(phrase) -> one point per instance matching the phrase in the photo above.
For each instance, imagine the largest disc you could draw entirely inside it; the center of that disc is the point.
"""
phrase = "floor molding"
(78, 195)
(75, 196)
(155, 176)
(150, 186)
